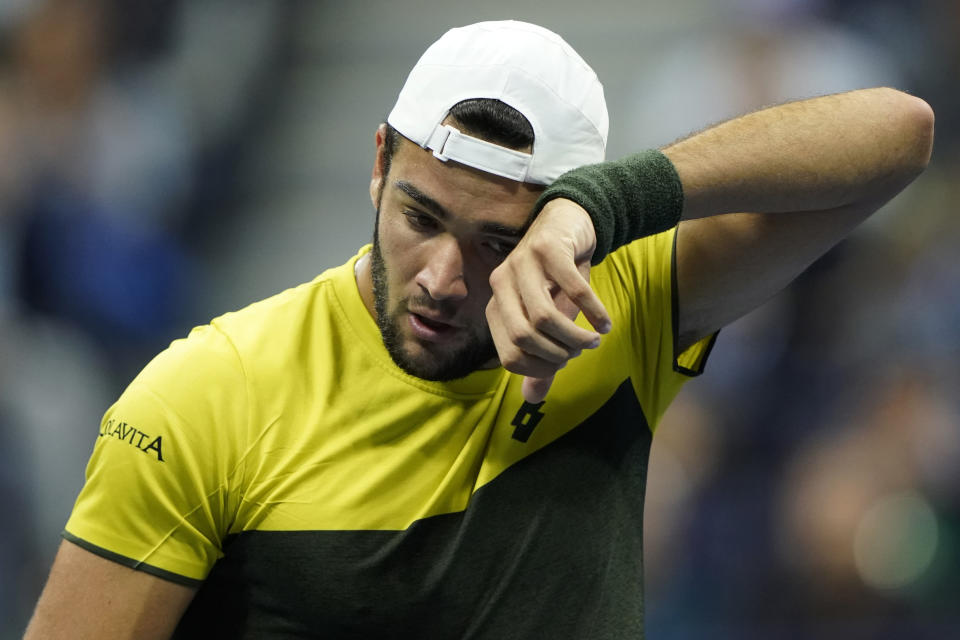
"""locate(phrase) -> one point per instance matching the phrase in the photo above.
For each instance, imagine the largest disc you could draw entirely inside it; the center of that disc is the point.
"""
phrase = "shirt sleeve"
(638, 284)
(157, 495)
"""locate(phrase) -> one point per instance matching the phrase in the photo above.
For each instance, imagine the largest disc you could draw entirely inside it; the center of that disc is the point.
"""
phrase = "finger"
(518, 361)
(511, 329)
(535, 389)
(509, 317)
(548, 318)
(576, 285)
(523, 363)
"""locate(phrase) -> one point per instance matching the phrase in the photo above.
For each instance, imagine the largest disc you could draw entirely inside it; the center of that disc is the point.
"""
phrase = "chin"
(424, 362)
(440, 365)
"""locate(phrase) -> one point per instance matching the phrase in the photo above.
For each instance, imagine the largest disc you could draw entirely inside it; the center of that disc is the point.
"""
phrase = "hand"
(538, 291)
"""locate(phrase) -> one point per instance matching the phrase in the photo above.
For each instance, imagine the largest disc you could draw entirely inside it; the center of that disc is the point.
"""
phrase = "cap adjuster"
(449, 143)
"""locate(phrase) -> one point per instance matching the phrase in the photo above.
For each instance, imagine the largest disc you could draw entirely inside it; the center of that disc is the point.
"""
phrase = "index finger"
(576, 286)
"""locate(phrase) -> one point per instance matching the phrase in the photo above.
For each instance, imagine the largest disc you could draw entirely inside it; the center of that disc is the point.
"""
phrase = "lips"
(430, 328)
(437, 325)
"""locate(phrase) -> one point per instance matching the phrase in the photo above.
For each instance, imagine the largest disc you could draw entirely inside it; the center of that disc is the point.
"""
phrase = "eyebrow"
(438, 210)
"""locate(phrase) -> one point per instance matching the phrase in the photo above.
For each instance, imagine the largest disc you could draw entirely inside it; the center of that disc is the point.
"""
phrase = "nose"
(442, 277)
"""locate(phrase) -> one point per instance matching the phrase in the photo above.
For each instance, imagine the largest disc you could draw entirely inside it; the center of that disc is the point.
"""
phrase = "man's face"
(441, 229)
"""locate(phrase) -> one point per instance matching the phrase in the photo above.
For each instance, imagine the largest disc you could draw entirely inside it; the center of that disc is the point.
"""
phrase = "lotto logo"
(526, 420)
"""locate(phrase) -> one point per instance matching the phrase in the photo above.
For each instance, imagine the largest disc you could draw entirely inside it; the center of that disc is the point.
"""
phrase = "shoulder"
(278, 326)
(215, 362)
(278, 313)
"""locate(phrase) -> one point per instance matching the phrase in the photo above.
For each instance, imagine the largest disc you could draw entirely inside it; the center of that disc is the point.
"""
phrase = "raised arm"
(807, 172)
(821, 166)
(87, 596)
(811, 155)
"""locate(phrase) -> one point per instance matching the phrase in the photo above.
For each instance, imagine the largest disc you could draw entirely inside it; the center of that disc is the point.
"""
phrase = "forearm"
(811, 155)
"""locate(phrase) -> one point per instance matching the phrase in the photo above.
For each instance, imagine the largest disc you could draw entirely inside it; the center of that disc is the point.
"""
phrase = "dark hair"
(486, 118)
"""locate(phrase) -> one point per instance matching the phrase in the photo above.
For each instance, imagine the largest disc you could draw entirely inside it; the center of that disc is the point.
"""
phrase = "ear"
(377, 177)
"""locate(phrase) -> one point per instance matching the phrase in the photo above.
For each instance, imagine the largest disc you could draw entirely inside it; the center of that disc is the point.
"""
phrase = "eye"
(420, 221)
(499, 247)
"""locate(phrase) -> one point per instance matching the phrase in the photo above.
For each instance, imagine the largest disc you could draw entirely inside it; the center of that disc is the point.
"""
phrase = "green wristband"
(627, 199)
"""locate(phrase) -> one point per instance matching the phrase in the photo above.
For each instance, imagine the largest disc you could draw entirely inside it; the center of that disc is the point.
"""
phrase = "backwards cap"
(529, 68)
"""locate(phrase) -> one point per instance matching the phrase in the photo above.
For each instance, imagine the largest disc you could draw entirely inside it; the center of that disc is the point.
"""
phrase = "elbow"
(916, 123)
(922, 119)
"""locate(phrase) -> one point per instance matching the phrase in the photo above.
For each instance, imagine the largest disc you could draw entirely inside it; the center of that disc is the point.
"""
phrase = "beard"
(437, 363)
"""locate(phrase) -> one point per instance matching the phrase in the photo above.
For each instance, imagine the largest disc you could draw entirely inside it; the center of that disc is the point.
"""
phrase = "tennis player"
(447, 436)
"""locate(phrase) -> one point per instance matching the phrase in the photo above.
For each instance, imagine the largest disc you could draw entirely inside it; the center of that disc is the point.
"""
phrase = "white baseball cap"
(529, 68)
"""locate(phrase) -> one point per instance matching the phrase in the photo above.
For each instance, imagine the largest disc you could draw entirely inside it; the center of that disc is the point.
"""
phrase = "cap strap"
(448, 143)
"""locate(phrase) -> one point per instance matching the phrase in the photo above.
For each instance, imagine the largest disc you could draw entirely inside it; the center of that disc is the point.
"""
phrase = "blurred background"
(164, 161)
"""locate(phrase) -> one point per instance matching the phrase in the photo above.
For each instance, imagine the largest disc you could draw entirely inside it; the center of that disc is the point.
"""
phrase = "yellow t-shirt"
(279, 455)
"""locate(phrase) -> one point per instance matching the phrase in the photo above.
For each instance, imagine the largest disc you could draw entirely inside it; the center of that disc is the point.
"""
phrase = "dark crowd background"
(164, 161)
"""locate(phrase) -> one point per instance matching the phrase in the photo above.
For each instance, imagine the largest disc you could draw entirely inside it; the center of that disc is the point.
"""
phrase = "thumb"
(535, 389)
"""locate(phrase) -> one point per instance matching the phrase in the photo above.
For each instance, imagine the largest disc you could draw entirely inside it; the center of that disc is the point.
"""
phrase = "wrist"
(569, 220)
(626, 199)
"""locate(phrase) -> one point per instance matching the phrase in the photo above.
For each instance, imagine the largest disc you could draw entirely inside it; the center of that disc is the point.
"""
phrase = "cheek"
(399, 253)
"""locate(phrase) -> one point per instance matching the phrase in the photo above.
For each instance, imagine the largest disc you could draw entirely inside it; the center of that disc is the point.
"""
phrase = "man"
(349, 458)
